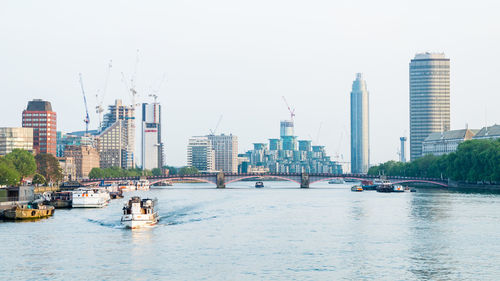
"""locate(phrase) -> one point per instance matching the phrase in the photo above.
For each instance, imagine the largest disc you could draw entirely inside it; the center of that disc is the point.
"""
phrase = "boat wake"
(117, 225)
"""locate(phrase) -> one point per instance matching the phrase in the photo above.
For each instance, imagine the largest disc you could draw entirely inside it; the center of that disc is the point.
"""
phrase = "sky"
(238, 58)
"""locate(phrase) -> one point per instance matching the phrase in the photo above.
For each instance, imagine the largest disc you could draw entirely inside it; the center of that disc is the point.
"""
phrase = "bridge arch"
(258, 176)
(181, 178)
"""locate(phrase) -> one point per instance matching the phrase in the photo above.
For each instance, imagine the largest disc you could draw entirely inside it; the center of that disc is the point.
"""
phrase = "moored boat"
(385, 187)
(62, 199)
(259, 184)
(357, 188)
(90, 198)
(397, 188)
(126, 186)
(368, 185)
(142, 185)
(32, 210)
(139, 212)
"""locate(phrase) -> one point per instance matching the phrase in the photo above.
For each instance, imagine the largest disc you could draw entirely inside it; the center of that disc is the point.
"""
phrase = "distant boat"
(138, 213)
(397, 188)
(90, 198)
(259, 184)
(336, 181)
(142, 185)
(32, 210)
(368, 185)
(357, 188)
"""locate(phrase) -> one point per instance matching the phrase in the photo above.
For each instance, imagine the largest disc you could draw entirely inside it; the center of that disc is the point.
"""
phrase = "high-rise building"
(151, 146)
(226, 152)
(402, 153)
(200, 154)
(85, 158)
(15, 138)
(360, 140)
(75, 138)
(116, 141)
(429, 98)
(39, 116)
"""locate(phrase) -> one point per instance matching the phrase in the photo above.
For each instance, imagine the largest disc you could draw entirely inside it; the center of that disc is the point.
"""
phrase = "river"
(279, 232)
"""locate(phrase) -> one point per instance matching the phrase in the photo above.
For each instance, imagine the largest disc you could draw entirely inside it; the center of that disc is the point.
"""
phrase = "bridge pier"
(304, 182)
(221, 181)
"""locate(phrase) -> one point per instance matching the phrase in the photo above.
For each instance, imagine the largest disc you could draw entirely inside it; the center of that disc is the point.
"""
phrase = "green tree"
(171, 170)
(8, 173)
(24, 162)
(188, 171)
(48, 166)
(156, 172)
(39, 179)
(96, 173)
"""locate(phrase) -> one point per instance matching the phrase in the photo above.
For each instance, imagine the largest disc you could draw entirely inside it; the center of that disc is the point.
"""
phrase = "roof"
(452, 135)
(39, 105)
(488, 132)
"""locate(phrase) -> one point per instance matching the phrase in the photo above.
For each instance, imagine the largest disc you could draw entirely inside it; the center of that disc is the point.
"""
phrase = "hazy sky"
(237, 58)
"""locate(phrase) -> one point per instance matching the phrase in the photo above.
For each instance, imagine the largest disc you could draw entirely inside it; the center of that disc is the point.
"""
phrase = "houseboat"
(32, 210)
(90, 198)
(139, 212)
(62, 199)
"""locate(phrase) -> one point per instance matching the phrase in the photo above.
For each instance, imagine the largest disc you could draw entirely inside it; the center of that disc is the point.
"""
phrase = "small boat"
(385, 188)
(139, 212)
(397, 188)
(126, 186)
(32, 210)
(259, 184)
(90, 198)
(357, 188)
(142, 185)
(336, 181)
(116, 194)
(62, 199)
(368, 185)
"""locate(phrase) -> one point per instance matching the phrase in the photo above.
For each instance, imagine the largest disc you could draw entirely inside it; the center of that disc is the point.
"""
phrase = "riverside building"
(85, 158)
(429, 98)
(226, 152)
(151, 145)
(15, 138)
(445, 142)
(39, 116)
(360, 141)
(200, 154)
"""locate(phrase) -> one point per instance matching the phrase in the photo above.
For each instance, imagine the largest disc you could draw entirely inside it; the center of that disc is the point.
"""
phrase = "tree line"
(473, 161)
(117, 172)
(20, 164)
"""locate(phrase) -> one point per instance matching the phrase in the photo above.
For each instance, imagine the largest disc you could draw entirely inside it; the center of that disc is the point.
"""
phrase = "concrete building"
(200, 154)
(402, 153)
(360, 140)
(116, 141)
(15, 138)
(429, 98)
(226, 152)
(151, 145)
(85, 158)
(445, 142)
(39, 116)
(491, 132)
(68, 168)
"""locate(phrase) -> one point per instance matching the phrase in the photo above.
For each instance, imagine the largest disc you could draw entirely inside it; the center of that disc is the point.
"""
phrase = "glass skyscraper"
(429, 98)
(360, 141)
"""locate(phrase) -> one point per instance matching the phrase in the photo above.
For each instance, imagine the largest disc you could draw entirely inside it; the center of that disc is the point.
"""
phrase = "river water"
(279, 232)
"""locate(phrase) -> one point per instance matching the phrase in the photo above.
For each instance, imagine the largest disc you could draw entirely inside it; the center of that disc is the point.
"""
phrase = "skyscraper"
(151, 146)
(226, 152)
(116, 141)
(200, 154)
(39, 116)
(429, 98)
(360, 141)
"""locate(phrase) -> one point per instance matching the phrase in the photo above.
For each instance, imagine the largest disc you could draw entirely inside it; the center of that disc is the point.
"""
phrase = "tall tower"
(429, 98)
(402, 155)
(39, 116)
(360, 141)
(151, 146)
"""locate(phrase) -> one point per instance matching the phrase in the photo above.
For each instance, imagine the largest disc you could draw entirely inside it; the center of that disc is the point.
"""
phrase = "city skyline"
(212, 64)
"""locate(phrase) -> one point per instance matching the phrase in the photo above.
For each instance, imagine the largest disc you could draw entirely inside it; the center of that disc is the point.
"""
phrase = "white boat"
(397, 188)
(90, 198)
(139, 212)
(126, 186)
(336, 181)
(142, 185)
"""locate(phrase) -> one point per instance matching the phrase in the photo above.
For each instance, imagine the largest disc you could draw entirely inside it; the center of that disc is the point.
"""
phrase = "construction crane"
(292, 111)
(212, 132)
(87, 118)
(99, 109)
(131, 86)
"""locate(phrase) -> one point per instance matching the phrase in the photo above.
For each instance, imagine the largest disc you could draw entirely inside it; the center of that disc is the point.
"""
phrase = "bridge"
(220, 180)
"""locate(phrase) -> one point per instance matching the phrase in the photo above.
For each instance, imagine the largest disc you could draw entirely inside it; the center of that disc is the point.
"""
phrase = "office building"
(440, 143)
(429, 98)
(151, 145)
(39, 116)
(15, 138)
(402, 153)
(85, 158)
(200, 154)
(116, 141)
(226, 152)
(74, 138)
(360, 140)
